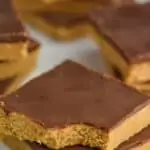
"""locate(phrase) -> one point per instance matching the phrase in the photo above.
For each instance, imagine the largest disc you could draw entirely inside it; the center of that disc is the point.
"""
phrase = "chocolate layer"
(72, 94)
(11, 29)
(127, 29)
(136, 140)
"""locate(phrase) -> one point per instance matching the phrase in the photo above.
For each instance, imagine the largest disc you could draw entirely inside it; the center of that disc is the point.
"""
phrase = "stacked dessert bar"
(123, 35)
(18, 51)
(67, 19)
(72, 105)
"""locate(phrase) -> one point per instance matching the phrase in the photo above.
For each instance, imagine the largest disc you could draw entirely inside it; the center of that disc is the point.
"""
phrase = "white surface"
(83, 51)
(52, 53)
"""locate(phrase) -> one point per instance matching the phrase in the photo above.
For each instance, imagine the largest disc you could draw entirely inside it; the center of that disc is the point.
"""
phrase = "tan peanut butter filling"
(13, 51)
(25, 129)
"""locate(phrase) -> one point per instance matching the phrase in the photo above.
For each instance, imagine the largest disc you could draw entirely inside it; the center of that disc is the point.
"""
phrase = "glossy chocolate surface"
(127, 29)
(72, 94)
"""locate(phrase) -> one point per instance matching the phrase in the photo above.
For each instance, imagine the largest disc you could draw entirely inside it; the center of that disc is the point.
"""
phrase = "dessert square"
(123, 34)
(72, 105)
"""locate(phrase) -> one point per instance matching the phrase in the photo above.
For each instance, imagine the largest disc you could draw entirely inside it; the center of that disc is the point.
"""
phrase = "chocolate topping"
(11, 29)
(127, 28)
(72, 94)
(136, 140)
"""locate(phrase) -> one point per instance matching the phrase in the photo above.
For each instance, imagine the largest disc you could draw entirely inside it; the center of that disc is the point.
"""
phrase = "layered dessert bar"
(72, 105)
(13, 36)
(23, 69)
(123, 35)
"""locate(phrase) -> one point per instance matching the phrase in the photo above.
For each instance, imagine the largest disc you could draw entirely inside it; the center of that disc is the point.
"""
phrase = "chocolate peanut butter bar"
(19, 71)
(123, 34)
(141, 141)
(13, 37)
(61, 26)
(72, 105)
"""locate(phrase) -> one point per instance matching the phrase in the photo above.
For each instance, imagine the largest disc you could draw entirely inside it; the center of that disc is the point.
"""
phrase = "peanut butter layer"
(61, 26)
(11, 68)
(141, 141)
(72, 105)
(129, 57)
(23, 69)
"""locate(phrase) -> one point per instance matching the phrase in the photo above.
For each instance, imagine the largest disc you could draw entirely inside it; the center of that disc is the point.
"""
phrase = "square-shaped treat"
(141, 141)
(21, 70)
(123, 34)
(13, 37)
(72, 105)
(59, 25)
(11, 68)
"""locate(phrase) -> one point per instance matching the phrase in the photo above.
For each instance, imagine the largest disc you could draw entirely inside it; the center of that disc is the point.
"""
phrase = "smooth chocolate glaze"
(136, 140)
(72, 94)
(11, 28)
(127, 29)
